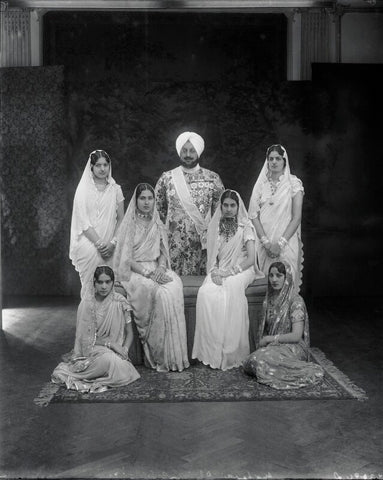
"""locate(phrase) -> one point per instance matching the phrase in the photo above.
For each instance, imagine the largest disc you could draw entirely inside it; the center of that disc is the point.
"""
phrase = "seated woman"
(154, 291)
(222, 320)
(281, 359)
(103, 336)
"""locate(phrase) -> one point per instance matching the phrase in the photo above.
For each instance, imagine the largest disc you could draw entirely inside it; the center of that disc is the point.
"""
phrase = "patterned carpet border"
(203, 384)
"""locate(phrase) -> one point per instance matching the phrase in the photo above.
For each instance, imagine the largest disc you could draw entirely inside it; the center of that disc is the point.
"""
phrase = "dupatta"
(112, 324)
(275, 209)
(278, 317)
(80, 217)
(236, 244)
(124, 252)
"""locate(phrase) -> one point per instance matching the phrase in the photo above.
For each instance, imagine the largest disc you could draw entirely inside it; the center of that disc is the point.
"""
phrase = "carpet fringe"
(46, 394)
(337, 375)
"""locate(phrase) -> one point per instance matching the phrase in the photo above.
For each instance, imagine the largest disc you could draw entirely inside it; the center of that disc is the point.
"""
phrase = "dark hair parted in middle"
(97, 154)
(230, 194)
(276, 148)
(279, 266)
(141, 187)
(103, 269)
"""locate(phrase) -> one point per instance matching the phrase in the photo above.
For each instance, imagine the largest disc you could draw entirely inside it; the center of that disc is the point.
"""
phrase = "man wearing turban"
(186, 199)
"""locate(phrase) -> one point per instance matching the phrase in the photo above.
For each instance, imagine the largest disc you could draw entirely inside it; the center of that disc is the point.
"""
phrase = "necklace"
(228, 227)
(273, 188)
(100, 186)
(143, 215)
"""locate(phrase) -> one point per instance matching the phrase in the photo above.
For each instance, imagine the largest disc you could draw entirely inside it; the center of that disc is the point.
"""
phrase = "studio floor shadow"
(274, 439)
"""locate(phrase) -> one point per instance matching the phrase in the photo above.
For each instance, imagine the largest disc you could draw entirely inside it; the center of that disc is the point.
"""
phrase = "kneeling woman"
(281, 359)
(103, 336)
(222, 320)
(154, 291)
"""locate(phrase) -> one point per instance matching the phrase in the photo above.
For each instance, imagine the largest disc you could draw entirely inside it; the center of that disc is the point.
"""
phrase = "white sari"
(275, 213)
(158, 310)
(221, 337)
(92, 208)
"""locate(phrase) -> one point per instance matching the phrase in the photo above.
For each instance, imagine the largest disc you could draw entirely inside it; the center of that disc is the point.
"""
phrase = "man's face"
(188, 155)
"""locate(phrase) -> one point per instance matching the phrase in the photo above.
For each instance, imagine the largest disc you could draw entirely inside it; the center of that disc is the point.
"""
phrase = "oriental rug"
(200, 383)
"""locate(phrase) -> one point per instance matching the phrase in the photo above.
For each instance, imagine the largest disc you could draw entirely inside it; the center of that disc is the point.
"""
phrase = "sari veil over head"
(282, 364)
(80, 218)
(264, 178)
(213, 232)
(97, 209)
(275, 211)
(280, 312)
(123, 254)
(158, 309)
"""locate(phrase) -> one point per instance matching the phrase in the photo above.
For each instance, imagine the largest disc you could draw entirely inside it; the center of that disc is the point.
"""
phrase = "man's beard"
(189, 165)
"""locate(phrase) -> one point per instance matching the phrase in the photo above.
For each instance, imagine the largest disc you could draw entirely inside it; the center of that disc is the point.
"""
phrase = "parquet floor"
(280, 439)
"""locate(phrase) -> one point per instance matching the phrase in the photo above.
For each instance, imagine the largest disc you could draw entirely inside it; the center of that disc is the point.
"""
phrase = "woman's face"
(189, 155)
(229, 208)
(103, 285)
(276, 279)
(101, 168)
(145, 201)
(275, 162)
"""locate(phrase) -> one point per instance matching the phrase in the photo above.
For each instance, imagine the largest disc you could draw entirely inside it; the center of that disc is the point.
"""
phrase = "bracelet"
(282, 242)
(276, 338)
(114, 241)
(238, 269)
(98, 243)
(264, 240)
(107, 345)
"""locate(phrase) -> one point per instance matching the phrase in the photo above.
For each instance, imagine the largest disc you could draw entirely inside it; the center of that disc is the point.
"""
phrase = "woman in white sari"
(98, 207)
(276, 211)
(155, 292)
(222, 320)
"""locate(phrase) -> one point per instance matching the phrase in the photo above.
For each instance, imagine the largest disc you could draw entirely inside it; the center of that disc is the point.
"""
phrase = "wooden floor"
(274, 439)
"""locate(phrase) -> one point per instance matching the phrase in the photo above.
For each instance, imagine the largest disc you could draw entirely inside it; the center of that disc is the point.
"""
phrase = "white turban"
(196, 140)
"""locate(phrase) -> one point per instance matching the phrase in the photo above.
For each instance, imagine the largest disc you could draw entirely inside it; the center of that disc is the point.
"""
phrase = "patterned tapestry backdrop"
(34, 175)
(53, 118)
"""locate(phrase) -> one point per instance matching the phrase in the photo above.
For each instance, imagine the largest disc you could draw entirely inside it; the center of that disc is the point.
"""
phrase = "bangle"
(264, 240)
(238, 269)
(114, 241)
(98, 243)
(282, 242)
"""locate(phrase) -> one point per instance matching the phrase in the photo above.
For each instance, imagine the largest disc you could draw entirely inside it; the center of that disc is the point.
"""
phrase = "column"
(294, 45)
(315, 40)
(36, 21)
(15, 46)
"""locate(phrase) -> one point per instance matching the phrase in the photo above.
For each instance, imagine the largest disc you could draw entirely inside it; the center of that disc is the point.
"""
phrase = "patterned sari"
(94, 368)
(284, 365)
(158, 309)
